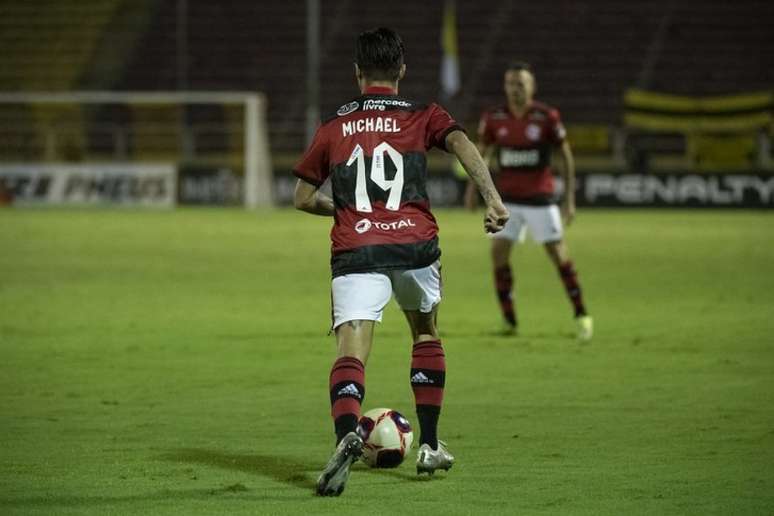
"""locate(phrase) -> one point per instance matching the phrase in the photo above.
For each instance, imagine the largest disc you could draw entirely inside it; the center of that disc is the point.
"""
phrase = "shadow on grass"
(290, 471)
(301, 475)
(405, 473)
(521, 337)
(58, 501)
(282, 469)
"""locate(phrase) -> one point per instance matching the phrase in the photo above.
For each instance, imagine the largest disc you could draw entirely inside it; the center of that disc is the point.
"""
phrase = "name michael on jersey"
(371, 124)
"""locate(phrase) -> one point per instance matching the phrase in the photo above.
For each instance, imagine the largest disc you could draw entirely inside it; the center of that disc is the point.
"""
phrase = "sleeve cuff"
(307, 179)
(442, 137)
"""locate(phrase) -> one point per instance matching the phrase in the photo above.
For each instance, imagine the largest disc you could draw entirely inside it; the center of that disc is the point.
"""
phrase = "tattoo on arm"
(476, 167)
(480, 175)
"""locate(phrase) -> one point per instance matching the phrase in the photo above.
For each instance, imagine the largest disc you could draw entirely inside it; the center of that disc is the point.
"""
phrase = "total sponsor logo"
(365, 225)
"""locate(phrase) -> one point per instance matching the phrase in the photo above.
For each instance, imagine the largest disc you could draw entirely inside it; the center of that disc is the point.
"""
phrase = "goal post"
(256, 155)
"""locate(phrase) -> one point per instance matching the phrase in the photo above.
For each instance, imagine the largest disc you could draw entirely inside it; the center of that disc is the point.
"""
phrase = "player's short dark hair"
(518, 66)
(379, 54)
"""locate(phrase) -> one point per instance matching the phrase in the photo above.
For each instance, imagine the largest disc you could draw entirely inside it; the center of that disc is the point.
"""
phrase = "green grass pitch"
(177, 362)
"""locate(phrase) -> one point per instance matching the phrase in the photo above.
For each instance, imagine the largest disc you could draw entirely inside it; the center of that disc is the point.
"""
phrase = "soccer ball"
(387, 435)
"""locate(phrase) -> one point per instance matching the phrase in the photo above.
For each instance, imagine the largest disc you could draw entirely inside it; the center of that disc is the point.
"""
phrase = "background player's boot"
(429, 460)
(585, 327)
(333, 478)
(507, 328)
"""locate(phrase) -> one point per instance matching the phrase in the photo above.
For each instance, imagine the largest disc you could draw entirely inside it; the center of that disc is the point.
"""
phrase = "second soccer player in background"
(523, 133)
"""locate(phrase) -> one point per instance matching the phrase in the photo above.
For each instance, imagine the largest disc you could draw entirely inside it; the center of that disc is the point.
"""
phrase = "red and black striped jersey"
(374, 149)
(524, 146)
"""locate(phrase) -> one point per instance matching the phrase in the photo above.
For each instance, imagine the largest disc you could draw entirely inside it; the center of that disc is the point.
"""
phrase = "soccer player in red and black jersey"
(384, 239)
(524, 133)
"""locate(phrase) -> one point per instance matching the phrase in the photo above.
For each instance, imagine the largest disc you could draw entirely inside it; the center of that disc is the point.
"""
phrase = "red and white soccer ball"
(387, 436)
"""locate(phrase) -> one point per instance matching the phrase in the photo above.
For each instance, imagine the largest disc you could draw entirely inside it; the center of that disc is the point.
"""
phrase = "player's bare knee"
(422, 324)
(557, 251)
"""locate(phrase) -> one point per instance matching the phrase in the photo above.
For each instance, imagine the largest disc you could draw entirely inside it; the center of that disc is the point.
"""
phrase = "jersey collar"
(514, 115)
(379, 90)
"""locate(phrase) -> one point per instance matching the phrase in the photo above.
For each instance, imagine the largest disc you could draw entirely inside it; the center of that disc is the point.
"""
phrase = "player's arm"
(457, 143)
(308, 198)
(471, 191)
(566, 167)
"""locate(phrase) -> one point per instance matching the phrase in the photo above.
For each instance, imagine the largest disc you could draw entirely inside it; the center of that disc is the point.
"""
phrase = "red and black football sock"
(504, 288)
(570, 279)
(428, 377)
(347, 388)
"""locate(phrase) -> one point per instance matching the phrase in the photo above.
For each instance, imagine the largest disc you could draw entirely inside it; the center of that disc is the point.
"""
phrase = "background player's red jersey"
(374, 149)
(524, 146)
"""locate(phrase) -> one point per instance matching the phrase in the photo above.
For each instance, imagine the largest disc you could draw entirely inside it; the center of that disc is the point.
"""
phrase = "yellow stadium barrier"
(721, 132)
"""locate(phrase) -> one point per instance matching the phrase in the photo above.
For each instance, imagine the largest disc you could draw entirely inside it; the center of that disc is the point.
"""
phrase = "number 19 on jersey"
(377, 175)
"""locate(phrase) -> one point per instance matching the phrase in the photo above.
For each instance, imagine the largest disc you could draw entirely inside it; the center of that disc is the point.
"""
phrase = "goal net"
(213, 145)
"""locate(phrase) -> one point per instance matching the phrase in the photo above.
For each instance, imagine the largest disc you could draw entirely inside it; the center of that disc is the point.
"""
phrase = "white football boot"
(429, 460)
(334, 477)
(585, 327)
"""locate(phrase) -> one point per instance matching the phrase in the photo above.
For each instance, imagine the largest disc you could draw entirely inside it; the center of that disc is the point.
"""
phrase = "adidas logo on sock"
(421, 377)
(350, 390)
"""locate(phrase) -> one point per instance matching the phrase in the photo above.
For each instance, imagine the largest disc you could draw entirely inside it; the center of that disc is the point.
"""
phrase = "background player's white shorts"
(544, 223)
(364, 295)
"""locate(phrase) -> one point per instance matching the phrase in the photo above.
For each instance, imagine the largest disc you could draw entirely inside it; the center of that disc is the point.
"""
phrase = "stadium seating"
(586, 54)
(719, 49)
(45, 49)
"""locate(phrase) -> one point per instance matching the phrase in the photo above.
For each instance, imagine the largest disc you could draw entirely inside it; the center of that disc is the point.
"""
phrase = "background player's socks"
(428, 376)
(504, 288)
(347, 388)
(571, 285)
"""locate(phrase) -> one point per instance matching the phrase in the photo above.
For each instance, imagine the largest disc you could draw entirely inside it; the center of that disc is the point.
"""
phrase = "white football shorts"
(544, 223)
(363, 296)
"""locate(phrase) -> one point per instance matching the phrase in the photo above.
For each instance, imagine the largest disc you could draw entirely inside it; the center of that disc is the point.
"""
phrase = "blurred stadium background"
(666, 102)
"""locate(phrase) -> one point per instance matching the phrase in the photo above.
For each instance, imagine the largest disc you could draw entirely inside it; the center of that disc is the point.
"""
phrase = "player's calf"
(503, 277)
(347, 390)
(428, 378)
